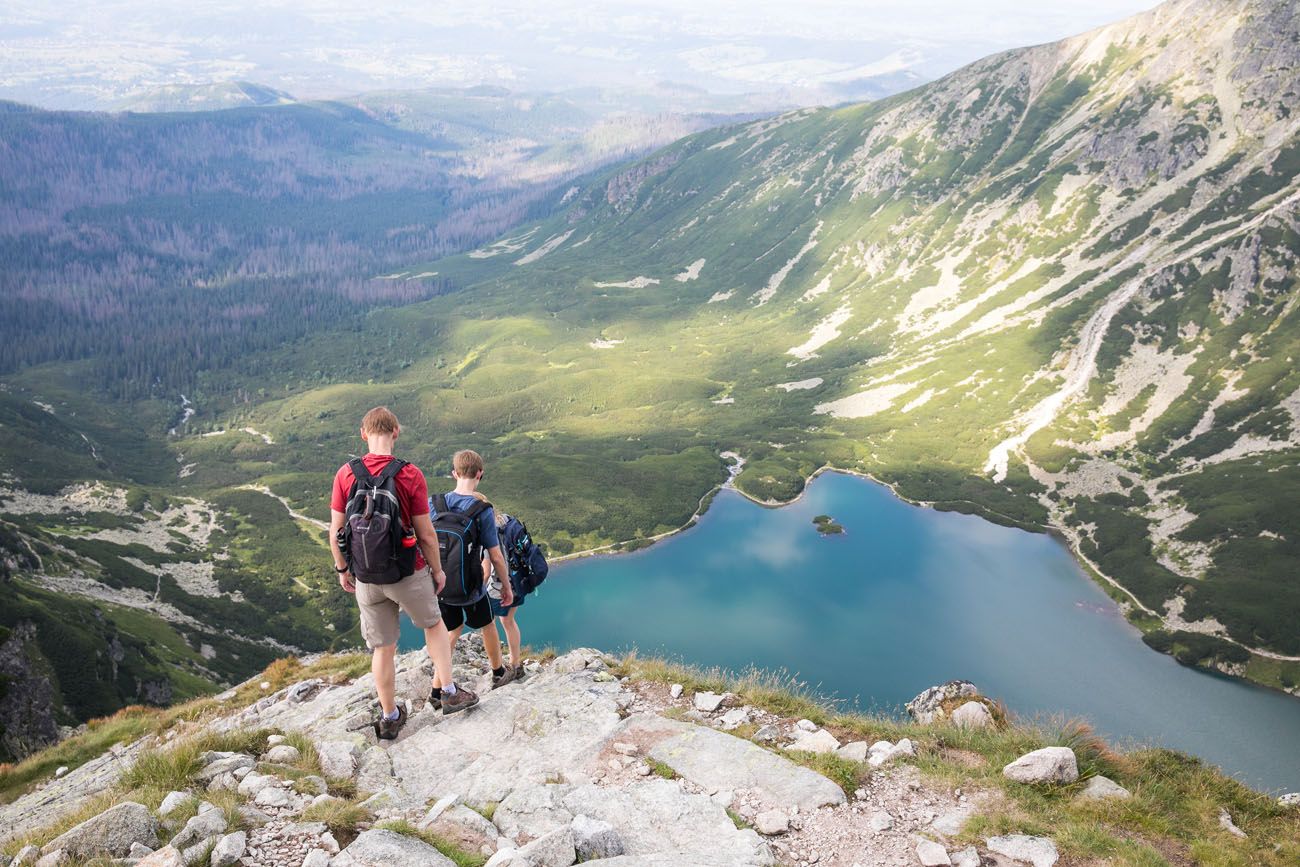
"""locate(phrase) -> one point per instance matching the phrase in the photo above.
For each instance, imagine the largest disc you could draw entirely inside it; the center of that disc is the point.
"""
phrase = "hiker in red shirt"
(379, 527)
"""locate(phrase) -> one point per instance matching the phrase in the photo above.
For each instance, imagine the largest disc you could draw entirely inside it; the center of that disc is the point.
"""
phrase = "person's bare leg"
(512, 637)
(492, 644)
(384, 670)
(437, 645)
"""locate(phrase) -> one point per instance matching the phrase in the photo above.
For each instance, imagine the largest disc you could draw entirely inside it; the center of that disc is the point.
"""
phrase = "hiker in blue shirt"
(464, 518)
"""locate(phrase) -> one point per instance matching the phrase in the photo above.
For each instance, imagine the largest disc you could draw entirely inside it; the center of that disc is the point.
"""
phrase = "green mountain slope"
(1056, 287)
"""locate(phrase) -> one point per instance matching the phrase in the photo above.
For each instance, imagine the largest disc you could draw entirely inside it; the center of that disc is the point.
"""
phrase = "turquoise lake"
(907, 598)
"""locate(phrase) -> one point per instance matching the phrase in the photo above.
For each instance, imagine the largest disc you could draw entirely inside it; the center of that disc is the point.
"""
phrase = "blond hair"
(467, 464)
(380, 421)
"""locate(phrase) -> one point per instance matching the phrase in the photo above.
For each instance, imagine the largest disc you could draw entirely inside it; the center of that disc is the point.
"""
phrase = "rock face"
(27, 703)
(380, 848)
(927, 707)
(112, 832)
(1048, 765)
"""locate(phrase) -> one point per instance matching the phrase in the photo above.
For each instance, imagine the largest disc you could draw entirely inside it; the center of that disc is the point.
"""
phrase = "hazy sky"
(72, 53)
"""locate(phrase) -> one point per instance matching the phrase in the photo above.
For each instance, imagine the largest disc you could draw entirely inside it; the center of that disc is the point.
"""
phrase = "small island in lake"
(826, 525)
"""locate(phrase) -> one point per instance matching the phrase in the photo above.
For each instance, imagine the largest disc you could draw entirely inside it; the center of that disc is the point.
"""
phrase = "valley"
(1055, 288)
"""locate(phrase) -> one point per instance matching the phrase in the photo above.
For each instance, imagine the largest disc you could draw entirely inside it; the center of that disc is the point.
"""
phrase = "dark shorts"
(499, 610)
(474, 616)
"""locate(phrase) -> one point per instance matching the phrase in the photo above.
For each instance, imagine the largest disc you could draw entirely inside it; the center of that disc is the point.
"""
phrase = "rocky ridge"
(574, 762)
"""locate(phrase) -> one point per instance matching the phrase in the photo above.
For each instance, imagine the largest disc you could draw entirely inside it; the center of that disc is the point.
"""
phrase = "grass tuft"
(343, 818)
(458, 855)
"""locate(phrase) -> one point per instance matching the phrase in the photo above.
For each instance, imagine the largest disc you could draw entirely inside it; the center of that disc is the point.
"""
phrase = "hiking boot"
(463, 699)
(435, 699)
(387, 729)
(520, 672)
(508, 673)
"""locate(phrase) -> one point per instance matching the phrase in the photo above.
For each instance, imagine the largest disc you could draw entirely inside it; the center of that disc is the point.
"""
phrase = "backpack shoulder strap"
(440, 503)
(390, 470)
(359, 471)
(477, 508)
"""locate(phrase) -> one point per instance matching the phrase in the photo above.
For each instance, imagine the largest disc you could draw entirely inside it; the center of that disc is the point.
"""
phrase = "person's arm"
(346, 580)
(427, 538)
(499, 564)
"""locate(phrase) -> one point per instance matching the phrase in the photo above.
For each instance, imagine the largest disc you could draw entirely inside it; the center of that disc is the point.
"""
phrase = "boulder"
(1048, 765)
(316, 858)
(172, 802)
(928, 706)
(111, 832)
(382, 848)
(973, 715)
(771, 822)
(283, 755)
(708, 702)
(274, 796)
(138, 851)
(1101, 788)
(554, 849)
(200, 828)
(1039, 851)
(229, 849)
(594, 839)
(820, 741)
(883, 752)
(735, 717)
(880, 821)
(931, 854)
(767, 733)
(464, 827)
(338, 758)
(25, 856)
(57, 858)
(806, 725)
(252, 817)
(968, 857)
(167, 856)
(253, 784)
(223, 763)
(853, 752)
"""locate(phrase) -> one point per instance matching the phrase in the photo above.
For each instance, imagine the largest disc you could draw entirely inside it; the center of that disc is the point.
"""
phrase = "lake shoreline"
(1062, 535)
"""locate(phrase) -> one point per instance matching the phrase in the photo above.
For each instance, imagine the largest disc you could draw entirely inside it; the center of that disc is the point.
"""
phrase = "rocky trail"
(573, 763)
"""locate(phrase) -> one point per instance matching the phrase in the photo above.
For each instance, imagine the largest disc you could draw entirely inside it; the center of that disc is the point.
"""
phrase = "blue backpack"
(460, 549)
(527, 563)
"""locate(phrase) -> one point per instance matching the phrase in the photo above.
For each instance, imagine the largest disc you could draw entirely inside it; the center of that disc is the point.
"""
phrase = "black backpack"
(371, 538)
(527, 563)
(460, 549)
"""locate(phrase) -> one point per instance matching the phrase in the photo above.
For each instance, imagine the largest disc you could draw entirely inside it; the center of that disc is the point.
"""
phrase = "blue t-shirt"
(486, 520)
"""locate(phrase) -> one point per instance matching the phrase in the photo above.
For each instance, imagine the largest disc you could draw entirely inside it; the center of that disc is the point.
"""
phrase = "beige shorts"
(380, 603)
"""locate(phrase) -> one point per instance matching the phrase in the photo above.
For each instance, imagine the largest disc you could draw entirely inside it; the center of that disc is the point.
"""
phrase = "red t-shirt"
(412, 491)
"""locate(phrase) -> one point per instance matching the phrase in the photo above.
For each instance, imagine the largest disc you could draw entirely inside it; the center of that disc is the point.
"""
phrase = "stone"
(735, 717)
(224, 764)
(972, 715)
(880, 821)
(464, 827)
(771, 822)
(200, 828)
(1225, 822)
(316, 858)
(675, 691)
(167, 856)
(338, 758)
(882, 752)
(806, 725)
(229, 849)
(224, 782)
(531, 811)
(253, 784)
(274, 796)
(173, 802)
(767, 733)
(853, 752)
(26, 855)
(139, 850)
(1290, 799)
(820, 741)
(949, 824)
(1101, 788)
(382, 848)
(252, 817)
(931, 854)
(1048, 765)
(207, 807)
(928, 706)
(714, 761)
(54, 859)
(443, 804)
(283, 755)
(374, 770)
(60, 771)
(554, 849)
(968, 857)
(275, 740)
(594, 839)
(1039, 851)
(111, 832)
(708, 702)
